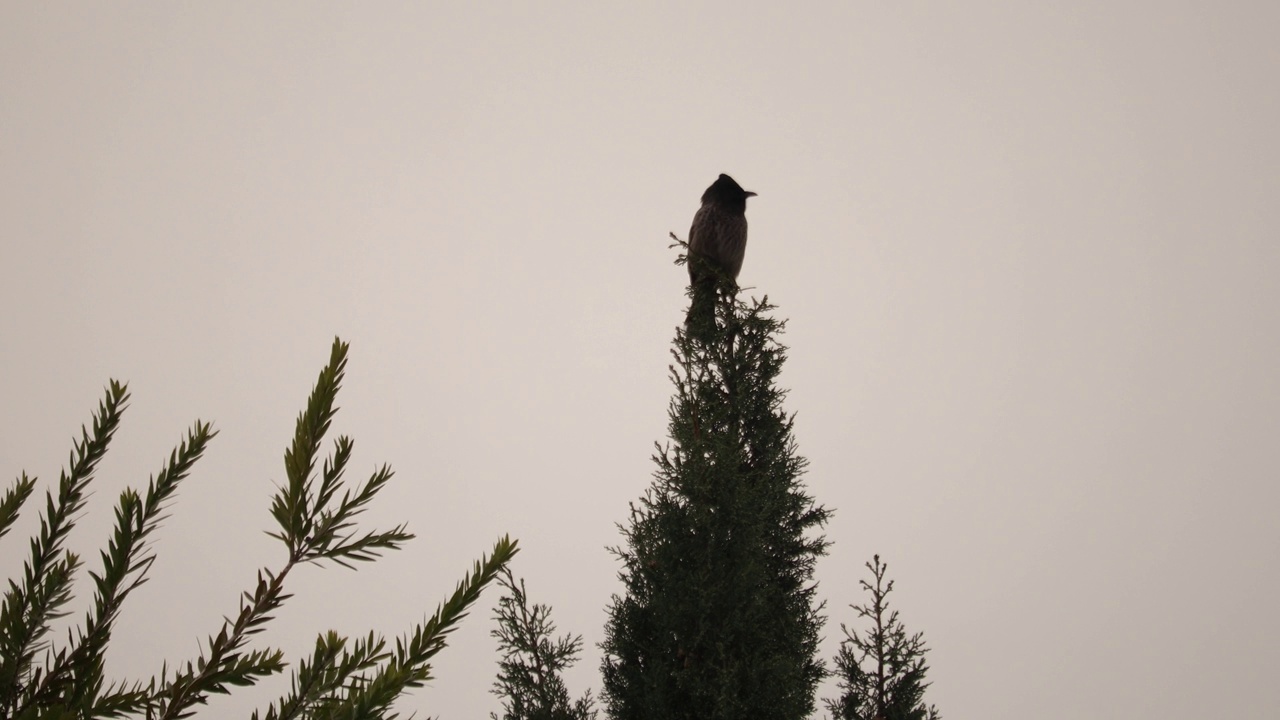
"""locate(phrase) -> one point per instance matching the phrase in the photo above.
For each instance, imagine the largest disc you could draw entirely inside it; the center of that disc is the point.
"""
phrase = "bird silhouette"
(717, 245)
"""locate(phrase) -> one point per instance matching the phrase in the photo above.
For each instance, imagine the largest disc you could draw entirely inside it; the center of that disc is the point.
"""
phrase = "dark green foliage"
(719, 617)
(314, 525)
(529, 680)
(364, 681)
(70, 680)
(882, 671)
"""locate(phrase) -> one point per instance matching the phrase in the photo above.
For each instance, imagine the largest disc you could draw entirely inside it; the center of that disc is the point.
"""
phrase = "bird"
(717, 245)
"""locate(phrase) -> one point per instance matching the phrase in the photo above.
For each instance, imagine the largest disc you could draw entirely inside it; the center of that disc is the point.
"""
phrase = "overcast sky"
(1028, 253)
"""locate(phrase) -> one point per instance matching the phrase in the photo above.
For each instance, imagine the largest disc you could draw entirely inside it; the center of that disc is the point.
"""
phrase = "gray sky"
(1028, 253)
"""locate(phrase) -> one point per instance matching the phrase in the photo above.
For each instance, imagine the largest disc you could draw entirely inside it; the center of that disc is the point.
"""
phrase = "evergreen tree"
(882, 672)
(529, 680)
(719, 618)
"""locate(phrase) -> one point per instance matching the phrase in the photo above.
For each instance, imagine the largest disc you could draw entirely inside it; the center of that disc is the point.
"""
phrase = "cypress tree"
(529, 674)
(719, 619)
(882, 671)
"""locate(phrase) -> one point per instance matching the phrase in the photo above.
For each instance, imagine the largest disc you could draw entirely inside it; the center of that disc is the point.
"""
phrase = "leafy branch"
(365, 681)
(45, 588)
(315, 518)
(312, 527)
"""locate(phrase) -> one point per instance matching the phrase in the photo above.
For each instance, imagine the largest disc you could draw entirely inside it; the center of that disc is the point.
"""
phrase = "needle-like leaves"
(316, 520)
(13, 500)
(362, 684)
(45, 588)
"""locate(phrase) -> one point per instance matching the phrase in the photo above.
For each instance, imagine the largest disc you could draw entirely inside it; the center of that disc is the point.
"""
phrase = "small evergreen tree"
(529, 680)
(719, 619)
(882, 672)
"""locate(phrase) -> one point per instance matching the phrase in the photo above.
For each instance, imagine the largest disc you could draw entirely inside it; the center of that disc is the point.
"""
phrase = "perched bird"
(717, 244)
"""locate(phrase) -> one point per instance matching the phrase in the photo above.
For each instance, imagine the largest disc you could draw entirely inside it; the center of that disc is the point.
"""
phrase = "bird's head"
(726, 191)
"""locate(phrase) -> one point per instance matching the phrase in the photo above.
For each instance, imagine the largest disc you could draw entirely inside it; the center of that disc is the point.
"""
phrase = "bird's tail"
(701, 321)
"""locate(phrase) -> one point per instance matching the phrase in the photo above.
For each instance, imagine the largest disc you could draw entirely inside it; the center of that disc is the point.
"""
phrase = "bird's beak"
(749, 193)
